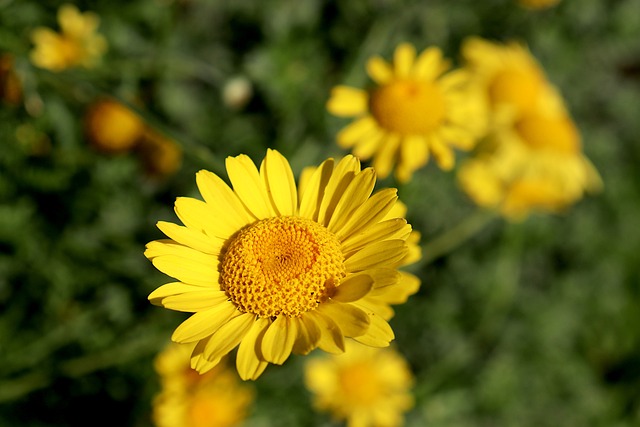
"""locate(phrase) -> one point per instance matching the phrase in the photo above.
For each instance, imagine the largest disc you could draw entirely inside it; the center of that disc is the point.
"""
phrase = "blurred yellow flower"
(416, 109)
(537, 164)
(10, 85)
(188, 399)
(365, 386)
(111, 127)
(160, 156)
(77, 44)
(272, 270)
(538, 4)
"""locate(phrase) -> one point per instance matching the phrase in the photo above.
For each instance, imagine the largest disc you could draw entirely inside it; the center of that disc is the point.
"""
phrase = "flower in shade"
(77, 43)
(535, 165)
(274, 269)
(416, 109)
(510, 77)
(111, 127)
(160, 156)
(538, 4)
(188, 399)
(10, 85)
(365, 386)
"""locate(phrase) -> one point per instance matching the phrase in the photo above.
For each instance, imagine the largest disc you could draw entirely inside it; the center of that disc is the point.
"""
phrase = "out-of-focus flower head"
(112, 127)
(77, 43)
(10, 85)
(366, 386)
(538, 4)
(274, 268)
(160, 156)
(512, 80)
(188, 399)
(535, 164)
(416, 109)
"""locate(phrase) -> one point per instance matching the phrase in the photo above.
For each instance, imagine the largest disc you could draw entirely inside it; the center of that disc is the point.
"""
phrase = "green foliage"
(524, 324)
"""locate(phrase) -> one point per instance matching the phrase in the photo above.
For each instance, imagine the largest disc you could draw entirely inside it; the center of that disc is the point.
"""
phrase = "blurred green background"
(525, 324)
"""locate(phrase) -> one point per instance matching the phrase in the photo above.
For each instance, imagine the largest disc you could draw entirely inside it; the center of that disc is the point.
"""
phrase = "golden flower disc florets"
(408, 106)
(283, 265)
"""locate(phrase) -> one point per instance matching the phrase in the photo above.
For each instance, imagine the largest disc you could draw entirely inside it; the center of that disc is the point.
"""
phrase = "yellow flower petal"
(204, 323)
(308, 335)
(194, 301)
(347, 101)
(396, 228)
(344, 172)
(199, 216)
(248, 185)
(379, 70)
(280, 183)
(248, 359)
(191, 238)
(278, 340)
(358, 192)
(385, 253)
(379, 333)
(187, 270)
(314, 191)
(351, 320)
(356, 131)
(221, 198)
(414, 153)
(228, 336)
(353, 288)
(369, 213)
(383, 162)
(403, 58)
(174, 288)
(428, 66)
(331, 338)
(442, 153)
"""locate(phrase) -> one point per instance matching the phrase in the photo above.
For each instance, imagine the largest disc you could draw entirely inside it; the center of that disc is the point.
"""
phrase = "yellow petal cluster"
(532, 157)
(273, 268)
(188, 399)
(365, 386)
(538, 4)
(77, 43)
(417, 108)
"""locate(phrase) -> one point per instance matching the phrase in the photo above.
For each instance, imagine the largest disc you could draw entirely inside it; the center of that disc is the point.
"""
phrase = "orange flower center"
(517, 87)
(408, 107)
(282, 265)
(557, 134)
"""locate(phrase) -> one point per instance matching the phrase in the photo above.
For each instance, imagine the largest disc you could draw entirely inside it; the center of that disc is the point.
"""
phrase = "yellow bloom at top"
(535, 165)
(417, 109)
(510, 76)
(273, 269)
(77, 44)
(188, 399)
(366, 386)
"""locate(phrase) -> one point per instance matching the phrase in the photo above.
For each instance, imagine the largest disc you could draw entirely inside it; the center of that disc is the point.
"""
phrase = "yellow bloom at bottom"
(188, 399)
(365, 386)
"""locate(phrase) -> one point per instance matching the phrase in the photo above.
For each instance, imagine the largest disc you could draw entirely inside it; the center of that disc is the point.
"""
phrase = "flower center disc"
(557, 134)
(408, 107)
(282, 265)
(519, 88)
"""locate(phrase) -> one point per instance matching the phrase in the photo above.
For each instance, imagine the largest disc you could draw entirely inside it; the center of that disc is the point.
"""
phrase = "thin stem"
(451, 239)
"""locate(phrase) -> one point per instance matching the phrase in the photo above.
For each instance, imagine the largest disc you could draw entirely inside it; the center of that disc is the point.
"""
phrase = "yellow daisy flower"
(272, 269)
(416, 109)
(112, 127)
(77, 44)
(535, 165)
(365, 386)
(510, 76)
(538, 4)
(188, 399)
